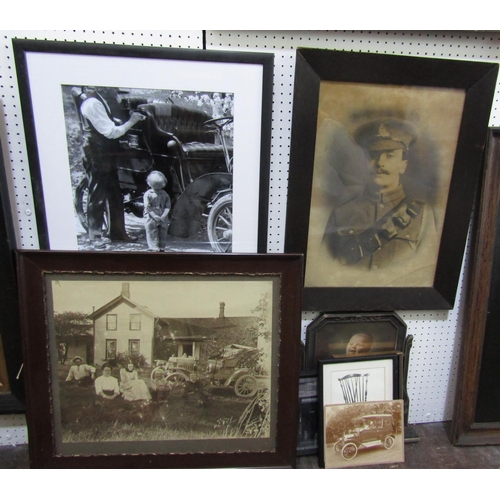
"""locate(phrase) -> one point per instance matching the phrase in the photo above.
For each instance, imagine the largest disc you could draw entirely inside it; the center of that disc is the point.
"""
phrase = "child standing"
(156, 208)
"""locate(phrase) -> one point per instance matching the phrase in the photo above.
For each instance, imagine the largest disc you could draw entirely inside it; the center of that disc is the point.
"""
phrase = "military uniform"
(379, 226)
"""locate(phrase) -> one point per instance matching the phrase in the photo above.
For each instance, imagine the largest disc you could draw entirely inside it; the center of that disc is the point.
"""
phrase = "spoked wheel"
(349, 451)
(245, 386)
(388, 442)
(338, 446)
(178, 383)
(81, 199)
(220, 224)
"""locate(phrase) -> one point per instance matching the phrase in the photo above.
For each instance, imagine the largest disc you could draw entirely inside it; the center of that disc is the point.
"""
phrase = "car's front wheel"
(349, 451)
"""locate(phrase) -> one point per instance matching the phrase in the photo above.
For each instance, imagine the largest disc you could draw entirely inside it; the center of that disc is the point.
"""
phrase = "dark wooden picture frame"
(476, 417)
(194, 163)
(328, 336)
(374, 81)
(41, 273)
(11, 401)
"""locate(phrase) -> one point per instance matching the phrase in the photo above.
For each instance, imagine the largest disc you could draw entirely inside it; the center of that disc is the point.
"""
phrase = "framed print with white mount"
(385, 156)
(99, 119)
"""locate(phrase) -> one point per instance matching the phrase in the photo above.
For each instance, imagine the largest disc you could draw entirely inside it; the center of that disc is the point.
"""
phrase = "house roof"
(115, 302)
(200, 329)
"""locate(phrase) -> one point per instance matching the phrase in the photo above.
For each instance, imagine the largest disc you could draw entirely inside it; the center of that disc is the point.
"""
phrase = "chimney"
(126, 290)
(221, 310)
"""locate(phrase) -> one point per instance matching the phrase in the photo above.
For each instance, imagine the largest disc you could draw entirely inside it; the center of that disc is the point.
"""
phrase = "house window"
(111, 349)
(135, 321)
(111, 321)
(134, 347)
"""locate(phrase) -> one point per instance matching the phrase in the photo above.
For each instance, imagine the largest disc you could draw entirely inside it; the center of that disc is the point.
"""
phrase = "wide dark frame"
(34, 265)
(23, 47)
(10, 333)
(477, 79)
(476, 417)
(326, 323)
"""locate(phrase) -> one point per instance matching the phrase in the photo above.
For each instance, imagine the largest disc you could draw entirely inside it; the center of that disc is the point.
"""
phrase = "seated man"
(81, 373)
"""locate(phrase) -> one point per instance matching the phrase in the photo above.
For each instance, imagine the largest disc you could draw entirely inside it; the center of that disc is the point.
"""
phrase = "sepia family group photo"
(135, 368)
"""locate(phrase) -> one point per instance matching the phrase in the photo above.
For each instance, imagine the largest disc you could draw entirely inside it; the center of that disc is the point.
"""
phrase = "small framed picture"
(334, 335)
(185, 362)
(359, 379)
(361, 434)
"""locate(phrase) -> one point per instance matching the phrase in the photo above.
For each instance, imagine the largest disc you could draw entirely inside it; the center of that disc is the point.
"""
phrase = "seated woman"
(107, 386)
(132, 387)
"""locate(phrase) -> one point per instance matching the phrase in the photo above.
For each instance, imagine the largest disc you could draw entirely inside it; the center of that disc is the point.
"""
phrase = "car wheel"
(349, 451)
(338, 446)
(388, 442)
(220, 224)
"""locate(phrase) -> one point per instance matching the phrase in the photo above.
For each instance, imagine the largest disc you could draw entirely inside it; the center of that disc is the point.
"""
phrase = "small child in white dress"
(156, 208)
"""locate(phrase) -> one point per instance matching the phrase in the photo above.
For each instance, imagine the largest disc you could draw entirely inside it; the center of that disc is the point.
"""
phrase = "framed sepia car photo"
(386, 152)
(190, 361)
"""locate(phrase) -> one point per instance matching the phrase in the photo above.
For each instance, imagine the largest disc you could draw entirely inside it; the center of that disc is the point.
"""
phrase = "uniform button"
(407, 236)
(381, 205)
(351, 231)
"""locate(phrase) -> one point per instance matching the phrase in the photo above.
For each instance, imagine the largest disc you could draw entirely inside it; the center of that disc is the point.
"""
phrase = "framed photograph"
(476, 418)
(360, 379)
(363, 434)
(190, 361)
(146, 148)
(11, 362)
(335, 335)
(385, 156)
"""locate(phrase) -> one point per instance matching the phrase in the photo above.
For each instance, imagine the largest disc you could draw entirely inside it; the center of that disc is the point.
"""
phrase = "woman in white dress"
(107, 386)
(131, 386)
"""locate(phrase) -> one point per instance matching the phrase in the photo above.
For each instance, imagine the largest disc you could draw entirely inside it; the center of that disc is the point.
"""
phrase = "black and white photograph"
(363, 434)
(360, 379)
(147, 149)
(150, 169)
(333, 335)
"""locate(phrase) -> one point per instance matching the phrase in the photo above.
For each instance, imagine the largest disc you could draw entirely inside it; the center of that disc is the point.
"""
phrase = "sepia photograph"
(155, 364)
(151, 169)
(382, 170)
(363, 434)
(361, 379)
(333, 335)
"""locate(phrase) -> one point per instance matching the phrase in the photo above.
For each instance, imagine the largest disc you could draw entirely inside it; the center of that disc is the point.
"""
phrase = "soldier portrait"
(383, 162)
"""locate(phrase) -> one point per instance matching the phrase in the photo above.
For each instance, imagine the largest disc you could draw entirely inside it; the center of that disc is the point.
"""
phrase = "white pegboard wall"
(13, 430)
(437, 333)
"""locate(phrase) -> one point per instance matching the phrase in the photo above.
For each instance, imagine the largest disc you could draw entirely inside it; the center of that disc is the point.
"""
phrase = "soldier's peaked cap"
(385, 135)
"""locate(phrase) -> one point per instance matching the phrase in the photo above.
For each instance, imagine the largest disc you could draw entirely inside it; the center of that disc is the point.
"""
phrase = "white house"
(122, 326)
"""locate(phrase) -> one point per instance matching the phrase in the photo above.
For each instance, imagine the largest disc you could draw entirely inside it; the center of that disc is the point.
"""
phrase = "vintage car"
(222, 370)
(368, 431)
(194, 151)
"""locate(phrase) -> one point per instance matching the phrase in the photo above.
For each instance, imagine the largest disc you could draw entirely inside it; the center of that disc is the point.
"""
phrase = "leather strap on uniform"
(354, 248)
